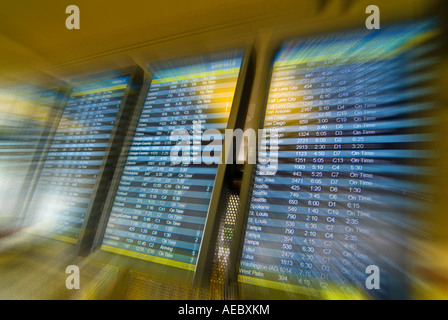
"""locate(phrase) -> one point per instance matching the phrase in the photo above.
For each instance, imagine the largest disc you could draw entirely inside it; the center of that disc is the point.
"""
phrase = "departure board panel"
(65, 186)
(165, 189)
(345, 163)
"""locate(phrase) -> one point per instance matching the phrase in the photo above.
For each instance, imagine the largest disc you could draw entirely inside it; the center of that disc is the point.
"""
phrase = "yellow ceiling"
(34, 39)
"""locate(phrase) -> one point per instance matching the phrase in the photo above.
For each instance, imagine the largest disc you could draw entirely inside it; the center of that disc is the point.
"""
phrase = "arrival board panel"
(65, 186)
(163, 196)
(343, 170)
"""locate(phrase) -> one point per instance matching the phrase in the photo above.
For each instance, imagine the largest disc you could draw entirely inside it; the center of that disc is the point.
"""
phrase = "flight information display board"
(161, 205)
(65, 187)
(346, 158)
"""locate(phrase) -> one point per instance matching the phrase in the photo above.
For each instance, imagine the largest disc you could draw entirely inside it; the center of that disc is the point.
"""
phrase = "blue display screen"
(65, 186)
(347, 145)
(163, 197)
